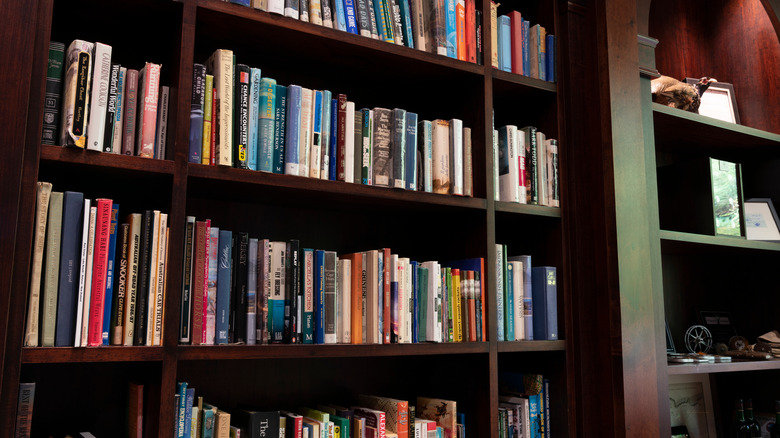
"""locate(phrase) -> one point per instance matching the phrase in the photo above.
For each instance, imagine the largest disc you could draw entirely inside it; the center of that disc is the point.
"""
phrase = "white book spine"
(402, 304)
(99, 100)
(315, 12)
(408, 288)
(441, 172)
(88, 277)
(517, 300)
(161, 263)
(496, 186)
(349, 153)
(276, 6)
(116, 146)
(456, 156)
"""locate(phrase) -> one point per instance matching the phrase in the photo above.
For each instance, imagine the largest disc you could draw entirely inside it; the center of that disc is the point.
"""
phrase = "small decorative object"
(719, 102)
(677, 94)
(761, 222)
(698, 339)
(726, 197)
(719, 323)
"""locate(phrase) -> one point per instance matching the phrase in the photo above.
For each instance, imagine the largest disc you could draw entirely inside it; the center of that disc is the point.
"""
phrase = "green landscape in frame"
(726, 199)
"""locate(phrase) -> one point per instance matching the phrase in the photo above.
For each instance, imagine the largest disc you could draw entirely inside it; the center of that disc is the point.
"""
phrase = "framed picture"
(690, 404)
(718, 101)
(761, 222)
(726, 180)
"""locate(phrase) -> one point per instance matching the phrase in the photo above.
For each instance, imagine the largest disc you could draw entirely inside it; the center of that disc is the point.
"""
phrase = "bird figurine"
(677, 94)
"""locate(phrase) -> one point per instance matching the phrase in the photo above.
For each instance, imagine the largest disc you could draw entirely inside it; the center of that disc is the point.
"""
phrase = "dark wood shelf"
(531, 346)
(337, 191)
(503, 78)
(681, 131)
(37, 355)
(534, 210)
(93, 159)
(248, 352)
(736, 366)
(675, 241)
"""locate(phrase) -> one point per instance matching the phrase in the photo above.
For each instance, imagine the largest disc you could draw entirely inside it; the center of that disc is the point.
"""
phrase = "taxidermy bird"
(677, 94)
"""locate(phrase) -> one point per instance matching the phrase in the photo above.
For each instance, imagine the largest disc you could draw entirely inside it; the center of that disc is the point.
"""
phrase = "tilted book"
(148, 94)
(101, 74)
(52, 101)
(76, 93)
(43, 196)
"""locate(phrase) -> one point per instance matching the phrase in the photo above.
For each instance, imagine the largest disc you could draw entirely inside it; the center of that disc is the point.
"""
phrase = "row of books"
(313, 133)
(451, 28)
(526, 298)
(521, 48)
(238, 289)
(95, 281)
(524, 406)
(526, 166)
(95, 103)
(368, 417)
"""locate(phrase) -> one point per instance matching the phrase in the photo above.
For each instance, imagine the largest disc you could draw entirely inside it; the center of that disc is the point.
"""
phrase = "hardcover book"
(148, 92)
(100, 262)
(398, 148)
(381, 153)
(111, 108)
(52, 101)
(51, 269)
(210, 312)
(161, 137)
(98, 101)
(119, 127)
(196, 112)
(280, 127)
(208, 120)
(316, 135)
(411, 151)
(238, 296)
(111, 272)
(130, 112)
(456, 156)
(72, 217)
(266, 124)
(224, 267)
(220, 65)
(85, 293)
(76, 94)
(545, 303)
(185, 324)
(293, 131)
(441, 172)
(43, 197)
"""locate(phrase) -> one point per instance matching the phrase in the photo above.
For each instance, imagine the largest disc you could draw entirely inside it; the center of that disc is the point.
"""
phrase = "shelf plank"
(230, 352)
(675, 241)
(35, 355)
(534, 210)
(505, 77)
(736, 366)
(339, 190)
(125, 163)
(531, 346)
(677, 131)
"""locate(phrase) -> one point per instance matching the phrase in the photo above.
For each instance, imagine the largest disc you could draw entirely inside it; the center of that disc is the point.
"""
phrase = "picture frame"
(761, 221)
(727, 199)
(690, 404)
(718, 102)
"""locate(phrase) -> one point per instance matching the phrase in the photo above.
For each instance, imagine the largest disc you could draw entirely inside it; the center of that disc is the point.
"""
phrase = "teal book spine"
(381, 21)
(505, 43)
(280, 126)
(266, 124)
(509, 304)
(500, 271)
(422, 304)
(406, 22)
(224, 284)
(254, 108)
(450, 29)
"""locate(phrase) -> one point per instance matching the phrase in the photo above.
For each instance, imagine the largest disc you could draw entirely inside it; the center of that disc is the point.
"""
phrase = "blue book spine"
(310, 298)
(208, 424)
(325, 164)
(280, 126)
(293, 135)
(254, 108)
(241, 2)
(406, 22)
(535, 415)
(349, 9)
(411, 151)
(110, 267)
(224, 276)
(333, 135)
(196, 112)
(381, 21)
(545, 303)
(266, 135)
(70, 257)
(189, 402)
(509, 302)
(341, 20)
(319, 296)
(550, 58)
(181, 408)
(526, 59)
(415, 302)
(451, 31)
(316, 134)
(505, 33)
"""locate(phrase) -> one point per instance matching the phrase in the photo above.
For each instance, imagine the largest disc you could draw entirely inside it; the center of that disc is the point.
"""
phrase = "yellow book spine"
(207, 120)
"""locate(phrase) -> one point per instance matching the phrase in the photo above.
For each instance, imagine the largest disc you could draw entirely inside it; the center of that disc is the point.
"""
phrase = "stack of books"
(525, 169)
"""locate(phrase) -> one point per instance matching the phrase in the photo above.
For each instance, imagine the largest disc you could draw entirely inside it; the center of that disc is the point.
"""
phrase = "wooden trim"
(647, 56)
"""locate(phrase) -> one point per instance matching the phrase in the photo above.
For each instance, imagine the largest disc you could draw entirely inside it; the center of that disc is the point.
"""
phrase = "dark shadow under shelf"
(39, 355)
(115, 162)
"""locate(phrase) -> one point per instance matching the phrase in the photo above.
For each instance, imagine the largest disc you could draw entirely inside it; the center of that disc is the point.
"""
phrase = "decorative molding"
(647, 56)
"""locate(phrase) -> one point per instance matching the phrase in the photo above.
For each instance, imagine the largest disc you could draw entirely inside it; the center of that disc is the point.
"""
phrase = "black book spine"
(238, 300)
(142, 294)
(186, 293)
(241, 117)
(294, 335)
(478, 24)
(52, 101)
(111, 108)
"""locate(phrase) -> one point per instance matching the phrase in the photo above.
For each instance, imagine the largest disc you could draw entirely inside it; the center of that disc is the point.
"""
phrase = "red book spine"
(205, 298)
(341, 144)
(460, 28)
(387, 305)
(516, 38)
(99, 267)
(481, 292)
(298, 427)
(213, 128)
(148, 105)
(471, 32)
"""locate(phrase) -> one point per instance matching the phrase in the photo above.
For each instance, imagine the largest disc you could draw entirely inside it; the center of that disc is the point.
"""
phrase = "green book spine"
(52, 270)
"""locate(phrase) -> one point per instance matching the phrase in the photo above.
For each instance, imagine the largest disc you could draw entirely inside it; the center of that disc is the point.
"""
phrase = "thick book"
(315, 154)
(111, 108)
(381, 147)
(257, 424)
(130, 112)
(51, 267)
(70, 254)
(76, 94)
(545, 303)
(200, 276)
(504, 43)
(43, 198)
(101, 74)
(450, 24)
(251, 292)
(293, 130)
(224, 267)
(135, 221)
(241, 116)
(197, 113)
(280, 128)
(148, 95)
(276, 302)
(405, 12)
(366, 174)
(396, 412)
(210, 302)
(52, 101)
(99, 269)
(398, 148)
(550, 45)
(266, 125)
(119, 302)
(238, 296)
(220, 65)
(185, 321)
(111, 272)
(440, 153)
(315, 12)
(156, 307)
(383, 32)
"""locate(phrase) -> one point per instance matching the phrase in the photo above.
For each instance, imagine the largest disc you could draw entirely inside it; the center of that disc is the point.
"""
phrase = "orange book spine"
(471, 32)
(99, 266)
(460, 28)
(356, 319)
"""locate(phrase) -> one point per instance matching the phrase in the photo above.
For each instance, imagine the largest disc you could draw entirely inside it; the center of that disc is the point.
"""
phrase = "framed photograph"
(761, 222)
(690, 404)
(718, 101)
(726, 180)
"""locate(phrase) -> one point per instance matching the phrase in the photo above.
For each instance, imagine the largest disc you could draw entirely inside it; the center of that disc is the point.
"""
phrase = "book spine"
(43, 198)
(551, 44)
(303, 10)
(311, 299)
(354, 144)
(362, 18)
(516, 41)
(116, 141)
(276, 304)
(24, 409)
(197, 113)
(500, 291)
(478, 36)
(100, 261)
(441, 172)
(544, 291)
(291, 8)
(293, 134)
(208, 120)
(241, 116)
(161, 140)
(280, 124)
(424, 151)
(410, 164)
(185, 324)
(329, 296)
(381, 21)
(531, 165)
(199, 281)
(131, 288)
(304, 151)
(381, 147)
(318, 288)
(83, 320)
(76, 93)
(253, 133)
(110, 273)
(315, 12)
(456, 156)
(147, 110)
(351, 19)
(494, 34)
(111, 108)
(341, 137)
(398, 148)
(275, 6)
(220, 64)
(266, 126)
(162, 252)
(130, 112)
(210, 298)
(51, 269)
(406, 22)
(509, 304)
(224, 267)
(365, 141)
(316, 135)
(396, 21)
(239, 297)
(68, 270)
(142, 293)
(470, 31)
(53, 97)
(294, 297)
(460, 29)
(327, 14)
(451, 28)
(251, 292)
(372, 19)
(340, 16)
(153, 279)
(325, 135)
(333, 146)
(101, 76)
(468, 166)
(419, 11)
